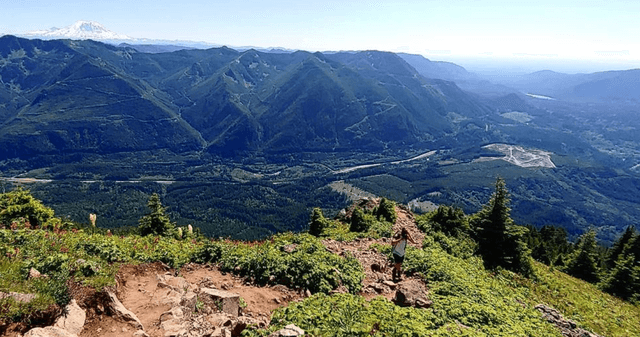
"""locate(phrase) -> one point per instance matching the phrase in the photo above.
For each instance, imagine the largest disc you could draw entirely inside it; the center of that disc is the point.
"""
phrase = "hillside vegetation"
(474, 292)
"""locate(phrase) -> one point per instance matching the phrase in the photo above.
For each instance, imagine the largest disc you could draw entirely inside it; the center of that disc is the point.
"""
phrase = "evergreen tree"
(360, 222)
(156, 222)
(549, 244)
(449, 220)
(386, 211)
(618, 246)
(624, 279)
(633, 248)
(500, 241)
(583, 263)
(318, 222)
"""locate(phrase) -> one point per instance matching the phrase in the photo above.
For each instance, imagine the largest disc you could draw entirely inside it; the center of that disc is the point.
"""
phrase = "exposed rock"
(412, 293)
(173, 314)
(33, 273)
(49, 331)
(567, 327)
(140, 333)
(18, 297)
(118, 310)
(340, 290)
(73, 319)
(225, 301)
(189, 300)
(389, 284)
(290, 248)
(222, 333)
(287, 331)
(178, 284)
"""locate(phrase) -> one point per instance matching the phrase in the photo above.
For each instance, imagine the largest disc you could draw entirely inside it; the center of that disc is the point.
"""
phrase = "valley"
(243, 144)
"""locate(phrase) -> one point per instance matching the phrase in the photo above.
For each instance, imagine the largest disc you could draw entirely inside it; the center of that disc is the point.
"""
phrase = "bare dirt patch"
(517, 155)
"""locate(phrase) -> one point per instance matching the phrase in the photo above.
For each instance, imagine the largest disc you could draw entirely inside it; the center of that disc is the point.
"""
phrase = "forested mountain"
(79, 96)
(243, 143)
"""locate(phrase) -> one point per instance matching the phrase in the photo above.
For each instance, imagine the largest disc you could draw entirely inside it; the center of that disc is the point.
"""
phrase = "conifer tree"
(156, 222)
(624, 279)
(450, 220)
(618, 246)
(386, 211)
(318, 222)
(583, 263)
(500, 242)
(360, 222)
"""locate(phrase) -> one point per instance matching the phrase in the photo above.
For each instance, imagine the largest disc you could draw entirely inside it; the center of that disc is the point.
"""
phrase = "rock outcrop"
(73, 318)
(118, 310)
(412, 293)
(290, 330)
(567, 327)
(70, 324)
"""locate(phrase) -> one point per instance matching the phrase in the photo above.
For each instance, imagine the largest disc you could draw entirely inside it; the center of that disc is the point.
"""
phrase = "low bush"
(296, 260)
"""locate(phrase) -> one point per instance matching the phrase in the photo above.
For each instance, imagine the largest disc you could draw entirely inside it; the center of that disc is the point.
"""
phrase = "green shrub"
(297, 260)
(360, 221)
(19, 209)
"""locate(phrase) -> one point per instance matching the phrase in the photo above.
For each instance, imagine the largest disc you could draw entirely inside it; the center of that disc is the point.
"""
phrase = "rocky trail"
(200, 300)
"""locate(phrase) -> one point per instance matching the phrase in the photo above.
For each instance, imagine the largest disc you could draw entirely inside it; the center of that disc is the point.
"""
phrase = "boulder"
(34, 273)
(118, 310)
(50, 331)
(288, 331)
(178, 284)
(224, 301)
(73, 318)
(412, 293)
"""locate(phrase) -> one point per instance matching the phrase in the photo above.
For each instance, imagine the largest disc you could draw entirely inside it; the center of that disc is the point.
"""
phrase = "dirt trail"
(140, 290)
(377, 268)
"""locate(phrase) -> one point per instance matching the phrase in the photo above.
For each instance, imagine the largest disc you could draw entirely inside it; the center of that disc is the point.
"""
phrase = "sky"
(570, 35)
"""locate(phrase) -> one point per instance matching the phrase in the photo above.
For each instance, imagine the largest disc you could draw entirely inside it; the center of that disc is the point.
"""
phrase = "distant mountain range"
(608, 86)
(65, 95)
(618, 86)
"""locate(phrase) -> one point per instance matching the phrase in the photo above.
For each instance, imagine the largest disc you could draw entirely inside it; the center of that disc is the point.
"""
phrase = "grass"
(583, 302)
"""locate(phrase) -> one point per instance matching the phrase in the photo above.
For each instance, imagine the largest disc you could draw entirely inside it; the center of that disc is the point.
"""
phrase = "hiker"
(399, 244)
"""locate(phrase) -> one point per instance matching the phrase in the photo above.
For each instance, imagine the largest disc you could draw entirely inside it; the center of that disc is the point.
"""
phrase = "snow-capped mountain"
(81, 30)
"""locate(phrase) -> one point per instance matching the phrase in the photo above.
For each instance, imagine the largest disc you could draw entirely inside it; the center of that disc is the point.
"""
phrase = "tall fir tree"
(618, 246)
(624, 279)
(583, 262)
(500, 242)
(156, 222)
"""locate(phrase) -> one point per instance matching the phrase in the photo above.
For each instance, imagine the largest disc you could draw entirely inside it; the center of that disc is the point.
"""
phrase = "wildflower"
(92, 218)
(190, 230)
(180, 232)
(109, 232)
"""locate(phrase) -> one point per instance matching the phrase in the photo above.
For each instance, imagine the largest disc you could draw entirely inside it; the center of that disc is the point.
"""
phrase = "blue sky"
(561, 31)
